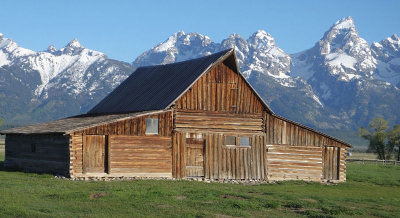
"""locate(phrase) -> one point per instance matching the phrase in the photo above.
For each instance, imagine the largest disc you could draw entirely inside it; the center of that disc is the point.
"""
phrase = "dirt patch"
(163, 206)
(181, 197)
(232, 197)
(222, 216)
(98, 195)
(310, 200)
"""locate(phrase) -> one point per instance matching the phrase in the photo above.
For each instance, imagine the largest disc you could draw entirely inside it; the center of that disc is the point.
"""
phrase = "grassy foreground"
(370, 191)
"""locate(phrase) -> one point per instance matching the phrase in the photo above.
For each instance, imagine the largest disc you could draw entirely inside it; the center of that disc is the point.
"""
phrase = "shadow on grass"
(9, 169)
(4, 168)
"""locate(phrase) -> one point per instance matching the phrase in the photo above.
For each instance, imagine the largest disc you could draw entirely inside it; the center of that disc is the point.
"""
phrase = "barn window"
(33, 148)
(230, 140)
(244, 141)
(151, 125)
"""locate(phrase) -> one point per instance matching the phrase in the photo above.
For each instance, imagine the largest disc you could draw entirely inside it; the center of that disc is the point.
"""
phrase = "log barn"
(197, 118)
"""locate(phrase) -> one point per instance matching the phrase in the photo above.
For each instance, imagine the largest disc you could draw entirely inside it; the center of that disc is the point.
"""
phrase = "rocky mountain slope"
(339, 83)
(46, 85)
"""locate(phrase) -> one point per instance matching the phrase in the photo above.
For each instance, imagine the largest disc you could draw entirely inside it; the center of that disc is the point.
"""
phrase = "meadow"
(370, 190)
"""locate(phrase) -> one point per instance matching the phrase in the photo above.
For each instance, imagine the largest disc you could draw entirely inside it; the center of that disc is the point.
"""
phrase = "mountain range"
(338, 84)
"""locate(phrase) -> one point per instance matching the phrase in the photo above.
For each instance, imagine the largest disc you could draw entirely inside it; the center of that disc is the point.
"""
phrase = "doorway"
(94, 154)
(194, 157)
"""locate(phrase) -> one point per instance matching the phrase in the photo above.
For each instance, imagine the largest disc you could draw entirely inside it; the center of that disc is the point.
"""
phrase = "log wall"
(212, 121)
(38, 153)
(148, 156)
(286, 162)
(115, 131)
(288, 135)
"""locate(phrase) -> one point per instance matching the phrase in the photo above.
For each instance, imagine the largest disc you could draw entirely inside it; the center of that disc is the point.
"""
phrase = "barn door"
(331, 163)
(194, 157)
(94, 154)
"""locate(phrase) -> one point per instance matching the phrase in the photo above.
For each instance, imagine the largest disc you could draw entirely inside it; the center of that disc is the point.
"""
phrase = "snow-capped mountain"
(339, 83)
(387, 54)
(73, 74)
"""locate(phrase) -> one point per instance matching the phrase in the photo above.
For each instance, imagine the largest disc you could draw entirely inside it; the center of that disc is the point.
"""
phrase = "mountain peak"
(344, 23)
(51, 48)
(261, 37)
(74, 43)
(394, 37)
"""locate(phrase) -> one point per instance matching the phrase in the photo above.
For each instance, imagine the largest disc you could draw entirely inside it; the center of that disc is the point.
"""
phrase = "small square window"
(244, 141)
(151, 125)
(230, 140)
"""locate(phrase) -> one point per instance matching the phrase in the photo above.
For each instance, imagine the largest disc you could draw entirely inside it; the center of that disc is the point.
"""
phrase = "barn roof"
(72, 124)
(158, 87)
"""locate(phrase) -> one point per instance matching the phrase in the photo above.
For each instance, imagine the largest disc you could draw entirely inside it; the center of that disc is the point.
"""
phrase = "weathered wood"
(285, 162)
(39, 153)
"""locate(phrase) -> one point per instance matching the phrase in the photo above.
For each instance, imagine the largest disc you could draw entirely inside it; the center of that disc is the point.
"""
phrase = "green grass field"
(372, 191)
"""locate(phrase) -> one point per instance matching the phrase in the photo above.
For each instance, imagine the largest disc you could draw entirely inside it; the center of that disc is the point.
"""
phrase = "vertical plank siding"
(221, 89)
(222, 161)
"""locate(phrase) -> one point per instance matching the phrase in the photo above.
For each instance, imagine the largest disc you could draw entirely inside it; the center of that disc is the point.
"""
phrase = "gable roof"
(158, 87)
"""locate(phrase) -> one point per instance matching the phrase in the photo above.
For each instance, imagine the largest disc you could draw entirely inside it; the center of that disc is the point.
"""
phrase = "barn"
(193, 119)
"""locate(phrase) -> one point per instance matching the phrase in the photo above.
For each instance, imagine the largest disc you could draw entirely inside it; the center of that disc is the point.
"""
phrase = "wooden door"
(331, 163)
(94, 154)
(194, 157)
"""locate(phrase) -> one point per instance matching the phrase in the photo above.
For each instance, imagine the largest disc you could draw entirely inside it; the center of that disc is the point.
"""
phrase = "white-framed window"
(151, 125)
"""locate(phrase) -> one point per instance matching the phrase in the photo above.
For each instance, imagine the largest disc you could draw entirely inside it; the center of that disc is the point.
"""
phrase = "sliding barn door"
(94, 153)
(331, 163)
(194, 157)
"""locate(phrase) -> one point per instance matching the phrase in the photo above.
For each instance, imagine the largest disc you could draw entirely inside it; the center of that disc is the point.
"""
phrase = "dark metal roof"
(72, 124)
(156, 87)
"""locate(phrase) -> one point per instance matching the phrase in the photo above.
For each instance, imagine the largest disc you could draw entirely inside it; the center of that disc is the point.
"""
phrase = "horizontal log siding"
(76, 154)
(206, 121)
(221, 89)
(342, 167)
(282, 132)
(141, 155)
(221, 161)
(286, 162)
(49, 155)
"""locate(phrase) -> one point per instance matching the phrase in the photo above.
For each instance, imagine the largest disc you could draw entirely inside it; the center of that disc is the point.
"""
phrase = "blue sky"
(125, 29)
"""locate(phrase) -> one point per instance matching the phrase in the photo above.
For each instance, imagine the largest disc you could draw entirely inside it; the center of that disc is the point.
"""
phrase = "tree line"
(383, 141)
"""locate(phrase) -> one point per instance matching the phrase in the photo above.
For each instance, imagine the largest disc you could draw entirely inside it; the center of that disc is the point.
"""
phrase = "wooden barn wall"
(282, 132)
(204, 121)
(38, 153)
(141, 155)
(285, 162)
(134, 126)
(221, 161)
(128, 127)
(221, 89)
